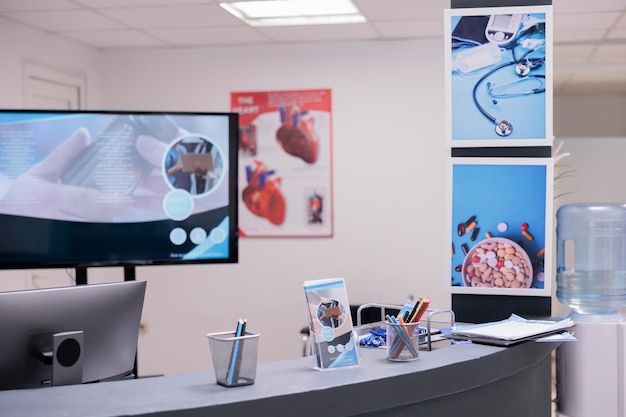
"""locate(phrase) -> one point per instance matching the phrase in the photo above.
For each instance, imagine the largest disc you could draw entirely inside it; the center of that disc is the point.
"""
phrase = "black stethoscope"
(523, 67)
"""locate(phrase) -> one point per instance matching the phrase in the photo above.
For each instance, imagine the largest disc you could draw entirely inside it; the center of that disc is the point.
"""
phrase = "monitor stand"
(65, 358)
(81, 274)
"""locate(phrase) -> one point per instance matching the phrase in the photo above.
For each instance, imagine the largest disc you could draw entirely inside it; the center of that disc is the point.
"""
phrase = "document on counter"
(510, 331)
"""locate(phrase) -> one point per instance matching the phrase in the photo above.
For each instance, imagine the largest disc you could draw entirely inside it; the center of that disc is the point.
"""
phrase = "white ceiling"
(589, 35)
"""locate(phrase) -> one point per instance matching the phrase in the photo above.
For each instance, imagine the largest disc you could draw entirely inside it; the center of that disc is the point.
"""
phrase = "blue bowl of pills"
(497, 262)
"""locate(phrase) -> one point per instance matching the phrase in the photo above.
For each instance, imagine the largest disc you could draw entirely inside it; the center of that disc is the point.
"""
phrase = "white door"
(47, 88)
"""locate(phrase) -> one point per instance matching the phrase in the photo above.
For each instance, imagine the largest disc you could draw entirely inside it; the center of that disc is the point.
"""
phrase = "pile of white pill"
(497, 262)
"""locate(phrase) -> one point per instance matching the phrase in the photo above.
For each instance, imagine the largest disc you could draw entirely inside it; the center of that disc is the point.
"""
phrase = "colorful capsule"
(470, 227)
(470, 221)
(465, 248)
(527, 235)
(460, 229)
(475, 234)
(488, 235)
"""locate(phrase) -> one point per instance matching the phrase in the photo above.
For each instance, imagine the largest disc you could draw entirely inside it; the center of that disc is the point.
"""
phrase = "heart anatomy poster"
(285, 163)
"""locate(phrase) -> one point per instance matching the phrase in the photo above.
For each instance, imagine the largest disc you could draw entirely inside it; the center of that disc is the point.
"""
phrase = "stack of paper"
(509, 331)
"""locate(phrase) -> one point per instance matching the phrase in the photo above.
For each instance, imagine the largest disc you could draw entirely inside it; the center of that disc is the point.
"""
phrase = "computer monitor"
(69, 335)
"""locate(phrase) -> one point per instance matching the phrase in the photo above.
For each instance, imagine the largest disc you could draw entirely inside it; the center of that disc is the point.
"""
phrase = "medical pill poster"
(285, 163)
(500, 234)
(498, 66)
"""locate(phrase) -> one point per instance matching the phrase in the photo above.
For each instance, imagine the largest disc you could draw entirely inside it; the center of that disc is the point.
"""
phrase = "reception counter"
(458, 380)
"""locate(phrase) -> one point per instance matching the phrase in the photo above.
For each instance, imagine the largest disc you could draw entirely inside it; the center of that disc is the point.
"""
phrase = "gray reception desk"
(457, 380)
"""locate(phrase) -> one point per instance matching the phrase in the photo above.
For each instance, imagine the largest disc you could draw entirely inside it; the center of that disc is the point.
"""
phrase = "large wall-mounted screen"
(103, 188)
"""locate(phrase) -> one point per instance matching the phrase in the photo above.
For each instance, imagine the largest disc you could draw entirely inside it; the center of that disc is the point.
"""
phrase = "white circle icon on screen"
(197, 235)
(178, 236)
(217, 235)
(178, 204)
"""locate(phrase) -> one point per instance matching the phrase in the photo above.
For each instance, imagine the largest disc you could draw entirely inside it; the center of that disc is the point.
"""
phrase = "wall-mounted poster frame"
(500, 226)
(498, 66)
(285, 163)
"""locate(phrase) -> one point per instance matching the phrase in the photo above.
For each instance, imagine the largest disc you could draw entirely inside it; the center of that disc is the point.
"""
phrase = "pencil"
(416, 310)
(422, 310)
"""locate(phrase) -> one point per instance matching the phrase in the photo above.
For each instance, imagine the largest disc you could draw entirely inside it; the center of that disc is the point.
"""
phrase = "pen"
(234, 353)
(406, 309)
(243, 327)
(411, 315)
(240, 349)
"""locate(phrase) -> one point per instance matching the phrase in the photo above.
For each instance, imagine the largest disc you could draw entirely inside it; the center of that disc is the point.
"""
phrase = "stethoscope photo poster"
(499, 78)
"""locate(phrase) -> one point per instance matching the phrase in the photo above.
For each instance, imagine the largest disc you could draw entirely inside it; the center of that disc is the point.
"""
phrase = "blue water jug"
(596, 283)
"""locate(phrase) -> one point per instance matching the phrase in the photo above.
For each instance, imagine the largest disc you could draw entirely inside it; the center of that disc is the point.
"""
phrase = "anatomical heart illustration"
(285, 163)
(262, 195)
(296, 134)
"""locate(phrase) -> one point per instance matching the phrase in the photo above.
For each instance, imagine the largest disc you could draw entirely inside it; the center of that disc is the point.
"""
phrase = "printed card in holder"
(332, 337)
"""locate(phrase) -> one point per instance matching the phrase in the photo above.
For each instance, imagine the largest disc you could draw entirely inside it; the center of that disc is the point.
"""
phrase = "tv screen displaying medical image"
(500, 79)
(91, 188)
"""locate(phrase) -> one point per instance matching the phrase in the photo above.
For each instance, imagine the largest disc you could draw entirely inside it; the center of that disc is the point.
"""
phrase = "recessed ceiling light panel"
(294, 12)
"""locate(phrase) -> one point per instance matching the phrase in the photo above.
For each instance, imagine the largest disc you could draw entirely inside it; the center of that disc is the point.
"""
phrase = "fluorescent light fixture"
(294, 12)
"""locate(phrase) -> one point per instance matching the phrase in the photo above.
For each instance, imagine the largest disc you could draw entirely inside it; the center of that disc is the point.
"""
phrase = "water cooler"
(591, 375)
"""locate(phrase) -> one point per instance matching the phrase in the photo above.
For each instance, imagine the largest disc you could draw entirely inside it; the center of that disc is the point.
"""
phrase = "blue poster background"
(494, 194)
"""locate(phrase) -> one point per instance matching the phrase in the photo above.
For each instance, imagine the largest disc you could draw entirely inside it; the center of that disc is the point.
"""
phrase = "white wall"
(389, 168)
(19, 44)
(575, 119)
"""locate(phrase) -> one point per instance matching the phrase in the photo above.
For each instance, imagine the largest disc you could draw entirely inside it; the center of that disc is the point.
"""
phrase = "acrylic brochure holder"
(333, 340)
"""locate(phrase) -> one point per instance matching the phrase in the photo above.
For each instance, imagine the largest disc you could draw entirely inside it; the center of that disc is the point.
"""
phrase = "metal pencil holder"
(403, 341)
(234, 358)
